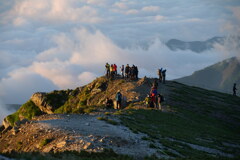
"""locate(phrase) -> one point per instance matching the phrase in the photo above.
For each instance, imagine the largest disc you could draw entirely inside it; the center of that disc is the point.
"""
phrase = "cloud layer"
(60, 44)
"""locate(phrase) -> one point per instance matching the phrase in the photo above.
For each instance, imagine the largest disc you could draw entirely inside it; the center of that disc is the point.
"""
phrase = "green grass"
(77, 110)
(13, 118)
(183, 126)
(110, 121)
(44, 142)
(57, 98)
(27, 110)
(107, 154)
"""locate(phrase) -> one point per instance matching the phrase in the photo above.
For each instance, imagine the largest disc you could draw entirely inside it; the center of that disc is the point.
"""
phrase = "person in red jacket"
(115, 68)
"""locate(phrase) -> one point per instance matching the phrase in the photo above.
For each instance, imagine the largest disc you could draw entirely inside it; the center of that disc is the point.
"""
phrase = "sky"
(47, 45)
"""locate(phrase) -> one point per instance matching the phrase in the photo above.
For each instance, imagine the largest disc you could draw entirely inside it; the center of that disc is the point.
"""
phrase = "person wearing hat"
(119, 99)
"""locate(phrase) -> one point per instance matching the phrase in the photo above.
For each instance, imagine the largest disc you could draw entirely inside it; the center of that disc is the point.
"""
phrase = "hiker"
(115, 69)
(147, 101)
(159, 101)
(153, 101)
(136, 68)
(119, 99)
(107, 66)
(127, 68)
(109, 103)
(164, 75)
(111, 71)
(160, 75)
(122, 71)
(234, 89)
(131, 72)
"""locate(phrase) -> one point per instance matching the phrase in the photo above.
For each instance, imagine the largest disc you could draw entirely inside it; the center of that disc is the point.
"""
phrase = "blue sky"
(60, 44)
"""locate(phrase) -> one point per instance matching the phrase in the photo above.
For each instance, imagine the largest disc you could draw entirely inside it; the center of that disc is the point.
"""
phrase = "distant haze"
(60, 44)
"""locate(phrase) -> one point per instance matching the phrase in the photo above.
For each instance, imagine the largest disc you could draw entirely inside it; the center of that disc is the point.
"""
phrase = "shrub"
(44, 142)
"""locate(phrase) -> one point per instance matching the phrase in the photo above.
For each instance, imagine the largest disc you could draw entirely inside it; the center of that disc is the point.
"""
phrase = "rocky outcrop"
(40, 100)
(6, 123)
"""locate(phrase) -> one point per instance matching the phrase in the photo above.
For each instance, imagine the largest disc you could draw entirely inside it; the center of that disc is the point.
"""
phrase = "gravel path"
(88, 133)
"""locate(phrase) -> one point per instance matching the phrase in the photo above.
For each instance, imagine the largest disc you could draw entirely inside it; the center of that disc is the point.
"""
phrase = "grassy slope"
(194, 116)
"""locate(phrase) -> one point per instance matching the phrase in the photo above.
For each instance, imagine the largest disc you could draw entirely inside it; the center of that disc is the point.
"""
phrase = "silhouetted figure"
(119, 99)
(122, 71)
(107, 66)
(160, 99)
(234, 89)
(127, 69)
(109, 103)
(164, 75)
(136, 68)
(160, 75)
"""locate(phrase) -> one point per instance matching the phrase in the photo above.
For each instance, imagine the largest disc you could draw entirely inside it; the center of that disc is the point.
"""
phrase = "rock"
(87, 124)
(102, 140)
(87, 145)
(61, 144)
(7, 129)
(40, 101)
(15, 130)
(2, 128)
(6, 123)
(96, 91)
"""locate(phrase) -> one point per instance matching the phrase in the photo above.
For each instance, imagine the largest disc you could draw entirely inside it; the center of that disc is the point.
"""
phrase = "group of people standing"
(111, 70)
(162, 75)
(129, 73)
(154, 99)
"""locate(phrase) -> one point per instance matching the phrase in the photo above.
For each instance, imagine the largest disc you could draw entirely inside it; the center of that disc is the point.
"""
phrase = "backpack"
(119, 97)
(162, 98)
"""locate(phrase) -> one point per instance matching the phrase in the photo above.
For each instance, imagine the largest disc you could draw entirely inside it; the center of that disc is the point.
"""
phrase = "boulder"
(40, 101)
(61, 144)
(1, 128)
(6, 123)
(15, 130)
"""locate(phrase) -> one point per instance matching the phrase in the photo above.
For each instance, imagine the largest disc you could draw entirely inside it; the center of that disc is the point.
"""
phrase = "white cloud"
(53, 11)
(86, 77)
(4, 111)
(159, 18)
(236, 12)
(120, 5)
(151, 9)
(21, 84)
(132, 11)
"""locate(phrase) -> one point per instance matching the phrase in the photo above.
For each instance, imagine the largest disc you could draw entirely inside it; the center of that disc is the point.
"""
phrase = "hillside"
(194, 123)
(220, 76)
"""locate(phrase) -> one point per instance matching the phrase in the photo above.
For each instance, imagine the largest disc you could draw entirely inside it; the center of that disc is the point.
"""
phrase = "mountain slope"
(194, 123)
(220, 76)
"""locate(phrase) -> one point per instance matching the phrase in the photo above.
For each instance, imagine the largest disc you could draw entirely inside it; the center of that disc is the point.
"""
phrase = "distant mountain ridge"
(231, 42)
(219, 77)
(195, 46)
